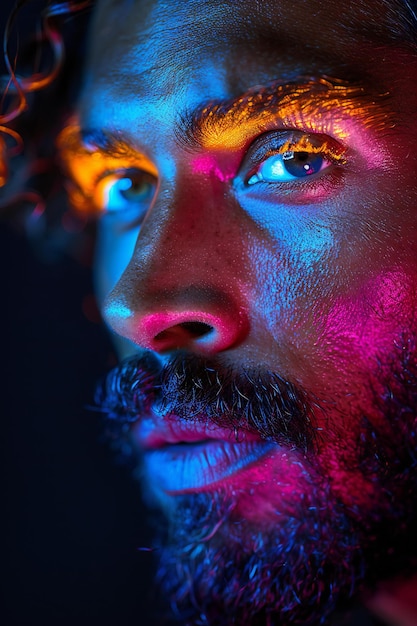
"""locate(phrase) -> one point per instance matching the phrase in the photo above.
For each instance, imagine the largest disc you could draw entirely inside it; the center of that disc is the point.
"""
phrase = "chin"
(282, 550)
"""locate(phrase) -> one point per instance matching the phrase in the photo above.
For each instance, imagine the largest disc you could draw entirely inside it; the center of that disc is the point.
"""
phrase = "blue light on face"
(133, 190)
(119, 310)
(116, 196)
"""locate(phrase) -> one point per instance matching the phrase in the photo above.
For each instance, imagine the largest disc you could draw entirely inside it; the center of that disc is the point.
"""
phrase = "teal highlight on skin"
(296, 230)
(120, 310)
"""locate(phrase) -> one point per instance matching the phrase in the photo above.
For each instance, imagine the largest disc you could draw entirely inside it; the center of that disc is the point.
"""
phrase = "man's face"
(254, 164)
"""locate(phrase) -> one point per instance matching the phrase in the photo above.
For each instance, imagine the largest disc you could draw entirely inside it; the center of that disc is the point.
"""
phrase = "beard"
(314, 553)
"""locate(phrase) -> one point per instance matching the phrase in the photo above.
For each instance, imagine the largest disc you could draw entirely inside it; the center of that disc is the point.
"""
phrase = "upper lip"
(154, 431)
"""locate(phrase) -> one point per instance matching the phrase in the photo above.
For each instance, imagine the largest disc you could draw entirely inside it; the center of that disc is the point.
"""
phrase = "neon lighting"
(86, 166)
(335, 109)
(119, 310)
(317, 106)
(207, 164)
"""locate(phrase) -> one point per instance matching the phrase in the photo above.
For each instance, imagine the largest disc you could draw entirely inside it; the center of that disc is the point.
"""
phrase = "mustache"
(199, 389)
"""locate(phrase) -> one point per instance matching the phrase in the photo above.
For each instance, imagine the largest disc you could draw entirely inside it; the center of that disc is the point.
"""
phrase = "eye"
(290, 157)
(125, 191)
(292, 164)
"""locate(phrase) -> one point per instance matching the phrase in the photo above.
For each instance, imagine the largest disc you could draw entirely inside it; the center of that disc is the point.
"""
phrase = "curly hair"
(51, 34)
(39, 91)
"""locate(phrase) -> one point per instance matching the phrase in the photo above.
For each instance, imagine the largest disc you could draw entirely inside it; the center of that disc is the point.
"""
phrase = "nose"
(181, 289)
(195, 318)
(195, 330)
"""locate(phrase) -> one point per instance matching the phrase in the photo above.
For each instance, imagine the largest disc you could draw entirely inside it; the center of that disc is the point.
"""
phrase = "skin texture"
(314, 281)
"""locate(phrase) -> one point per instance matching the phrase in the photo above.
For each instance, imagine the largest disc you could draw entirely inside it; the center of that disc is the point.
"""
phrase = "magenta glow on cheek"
(366, 323)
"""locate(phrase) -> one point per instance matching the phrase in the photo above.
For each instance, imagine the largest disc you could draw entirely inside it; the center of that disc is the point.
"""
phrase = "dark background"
(73, 519)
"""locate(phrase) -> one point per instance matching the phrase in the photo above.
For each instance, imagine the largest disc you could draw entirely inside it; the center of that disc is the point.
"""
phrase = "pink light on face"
(364, 323)
(278, 483)
(207, 165)
(164, 330)
(375, 155)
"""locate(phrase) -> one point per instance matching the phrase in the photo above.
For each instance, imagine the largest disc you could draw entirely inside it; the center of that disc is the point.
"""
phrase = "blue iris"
(288, 166)
(300, 164)
(135, 190)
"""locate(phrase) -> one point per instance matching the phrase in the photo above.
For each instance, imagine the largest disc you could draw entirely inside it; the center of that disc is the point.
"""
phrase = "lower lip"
(182, 468)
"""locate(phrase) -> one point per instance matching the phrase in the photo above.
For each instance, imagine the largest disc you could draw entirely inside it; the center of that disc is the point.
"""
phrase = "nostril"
(205, 332)
(183, 333)
(197, 329)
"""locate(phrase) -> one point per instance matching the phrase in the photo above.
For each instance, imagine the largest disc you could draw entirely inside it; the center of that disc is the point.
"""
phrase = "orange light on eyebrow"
(317, 106)
(85, 167)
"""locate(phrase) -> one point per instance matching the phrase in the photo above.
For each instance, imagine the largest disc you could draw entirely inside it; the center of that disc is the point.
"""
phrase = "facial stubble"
(312, 554)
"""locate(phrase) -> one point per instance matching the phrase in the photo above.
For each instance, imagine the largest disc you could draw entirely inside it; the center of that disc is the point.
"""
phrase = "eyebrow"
(107, 142)
(222, 123)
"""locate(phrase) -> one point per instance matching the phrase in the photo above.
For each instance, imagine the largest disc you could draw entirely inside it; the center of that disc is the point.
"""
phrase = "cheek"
(335, 338)
(291, 265)
(364, 327)
(114, 250)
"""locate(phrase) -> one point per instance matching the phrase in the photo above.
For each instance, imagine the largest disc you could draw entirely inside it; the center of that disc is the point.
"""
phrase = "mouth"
(186, 457)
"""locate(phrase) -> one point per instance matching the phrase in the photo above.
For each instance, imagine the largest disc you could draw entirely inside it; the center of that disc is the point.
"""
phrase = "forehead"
(323, 28)
(150, 52)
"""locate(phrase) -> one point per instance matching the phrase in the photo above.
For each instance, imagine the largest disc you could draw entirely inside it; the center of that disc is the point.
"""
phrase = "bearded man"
(252, 168)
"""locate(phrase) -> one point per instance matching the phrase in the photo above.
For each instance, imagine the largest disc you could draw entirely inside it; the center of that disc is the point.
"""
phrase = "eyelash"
(296, 147)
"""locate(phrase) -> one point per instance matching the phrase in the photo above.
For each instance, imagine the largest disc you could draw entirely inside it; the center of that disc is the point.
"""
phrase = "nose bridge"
(189, 232)
(188, 239)
(182, 288)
